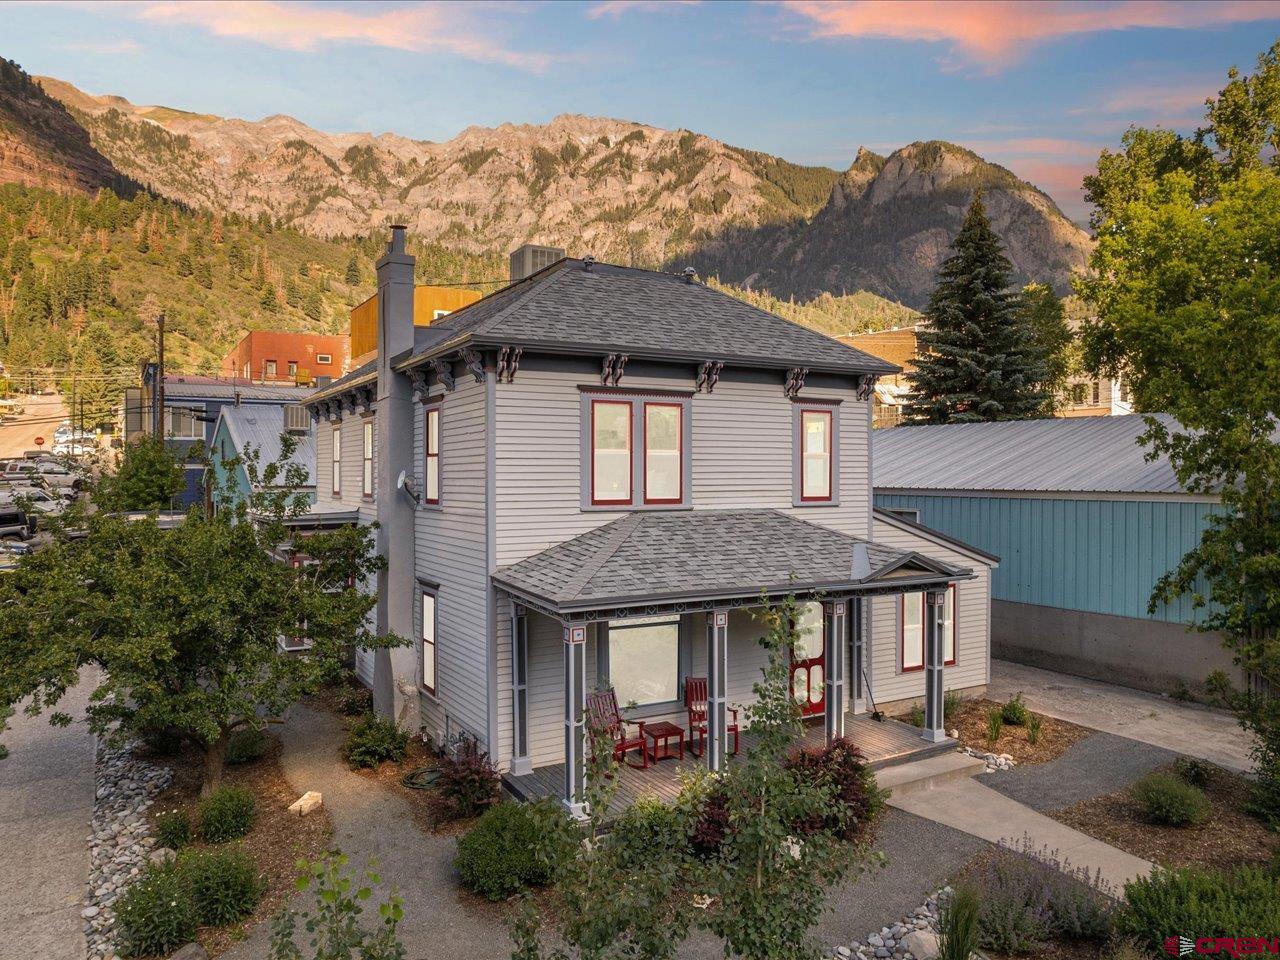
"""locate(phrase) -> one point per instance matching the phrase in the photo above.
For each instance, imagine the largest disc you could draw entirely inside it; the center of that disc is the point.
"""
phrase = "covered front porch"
(884, 744)
(588, 615)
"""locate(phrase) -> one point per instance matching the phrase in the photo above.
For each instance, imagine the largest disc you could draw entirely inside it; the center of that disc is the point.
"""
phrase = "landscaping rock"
(921, 944)
(162, 855)
(993, 761)
(306, 803)
(118, 842)
(192, 951)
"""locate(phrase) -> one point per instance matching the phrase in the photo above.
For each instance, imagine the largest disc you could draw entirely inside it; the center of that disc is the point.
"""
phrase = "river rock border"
(994, 761)
(120, 843)
(896, 940)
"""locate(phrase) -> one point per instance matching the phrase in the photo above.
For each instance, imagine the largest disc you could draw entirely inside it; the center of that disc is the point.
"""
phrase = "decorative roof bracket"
(509, 363)
(364, 397)
(418, 377)
(795, 381)
(611, 369)
(444, 373)
(474, 362)
(708, 375)
(866, 383)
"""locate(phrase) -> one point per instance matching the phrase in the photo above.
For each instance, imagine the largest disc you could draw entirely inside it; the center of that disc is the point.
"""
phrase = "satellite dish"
(401, 480)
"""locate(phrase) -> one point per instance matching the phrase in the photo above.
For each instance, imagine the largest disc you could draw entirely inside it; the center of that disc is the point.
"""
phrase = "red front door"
(808, 661)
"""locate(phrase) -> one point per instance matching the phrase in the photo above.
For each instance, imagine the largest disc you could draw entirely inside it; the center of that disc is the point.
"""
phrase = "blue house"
(190, 411)
(260, 427)
(1084, 525)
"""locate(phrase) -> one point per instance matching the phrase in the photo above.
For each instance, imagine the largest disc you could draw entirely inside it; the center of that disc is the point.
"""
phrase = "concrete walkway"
(46, 799)
(973, 808)
(1211, 735)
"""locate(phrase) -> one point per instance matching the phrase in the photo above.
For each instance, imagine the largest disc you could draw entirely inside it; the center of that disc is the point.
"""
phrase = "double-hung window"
(366, 476)
(336, 463)
(431, 468)
(641, 660)
(430, 625)
(635, 451)
(815, 455)
(912, 634)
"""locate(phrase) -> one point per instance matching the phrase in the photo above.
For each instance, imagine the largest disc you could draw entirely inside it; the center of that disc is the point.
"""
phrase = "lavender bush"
(1032, 895)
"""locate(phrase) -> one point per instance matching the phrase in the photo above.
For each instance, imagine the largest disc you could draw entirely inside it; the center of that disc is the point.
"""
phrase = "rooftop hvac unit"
(296, 418)
(531, 258)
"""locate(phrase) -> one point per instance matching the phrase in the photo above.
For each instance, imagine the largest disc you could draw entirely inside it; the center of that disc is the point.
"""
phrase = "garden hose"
(421, 778)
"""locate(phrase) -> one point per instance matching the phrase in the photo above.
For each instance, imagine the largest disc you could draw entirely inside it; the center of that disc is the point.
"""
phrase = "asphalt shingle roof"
(655, 557)
(627, 310)
(1063, 455)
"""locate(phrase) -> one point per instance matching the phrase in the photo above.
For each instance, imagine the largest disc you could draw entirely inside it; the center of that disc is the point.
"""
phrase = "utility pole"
(71, 411)
(160, 377)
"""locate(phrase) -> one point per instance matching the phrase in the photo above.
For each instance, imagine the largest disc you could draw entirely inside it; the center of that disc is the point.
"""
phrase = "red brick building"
(266, 356)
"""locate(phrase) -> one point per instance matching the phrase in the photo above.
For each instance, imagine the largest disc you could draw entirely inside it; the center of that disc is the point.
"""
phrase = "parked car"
(15, 524)
(54, 474)
(74, 447)
(35, 500)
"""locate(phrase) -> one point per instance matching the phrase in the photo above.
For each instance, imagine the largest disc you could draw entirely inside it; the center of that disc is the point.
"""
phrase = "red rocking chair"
(603, 714)
(695, 701)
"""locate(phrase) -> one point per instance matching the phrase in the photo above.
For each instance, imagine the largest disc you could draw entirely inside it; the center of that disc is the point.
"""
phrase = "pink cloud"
(616, 8)
(995, 33)
(422, 28)
(1034, 146)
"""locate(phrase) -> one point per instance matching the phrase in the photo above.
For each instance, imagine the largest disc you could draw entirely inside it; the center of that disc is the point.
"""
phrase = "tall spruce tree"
(977, 359)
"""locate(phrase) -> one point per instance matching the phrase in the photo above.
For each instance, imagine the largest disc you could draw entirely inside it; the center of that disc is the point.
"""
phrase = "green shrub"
(1167, 800)
(246, 746)
(467, 785)
(1202, 903)
(647, 831)
(155, 914)
(995, 725)
(355, 701)
(958, 926)
(225, 885)
(915, 716)
(373, 740)
(951, 701)
(1034, 724)
(508, 850)
(1015, 712)
(226, 814)
(173, 829)
(840, 766)
(1194, 771)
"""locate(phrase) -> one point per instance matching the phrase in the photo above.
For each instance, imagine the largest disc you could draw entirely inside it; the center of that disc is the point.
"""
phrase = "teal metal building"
(1084, 526)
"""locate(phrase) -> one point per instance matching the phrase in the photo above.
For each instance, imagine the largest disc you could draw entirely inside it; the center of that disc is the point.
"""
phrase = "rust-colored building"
(269, 356)
(429, 303)
(899, 347)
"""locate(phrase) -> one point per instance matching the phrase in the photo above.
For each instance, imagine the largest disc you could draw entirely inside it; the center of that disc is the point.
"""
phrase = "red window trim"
(644, 426)
(902, 632)
(335, 463)
(631, 454)
(366, 456)
(831, 455)
(428, 409)
(435, 643)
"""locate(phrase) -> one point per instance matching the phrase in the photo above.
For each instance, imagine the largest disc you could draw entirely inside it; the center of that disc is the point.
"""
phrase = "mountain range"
(622, 191)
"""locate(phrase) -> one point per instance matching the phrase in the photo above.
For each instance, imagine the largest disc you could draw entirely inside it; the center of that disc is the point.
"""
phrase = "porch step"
(928, 773)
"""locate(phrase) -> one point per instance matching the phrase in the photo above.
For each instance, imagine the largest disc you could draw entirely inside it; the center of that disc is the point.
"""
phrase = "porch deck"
(883, 743)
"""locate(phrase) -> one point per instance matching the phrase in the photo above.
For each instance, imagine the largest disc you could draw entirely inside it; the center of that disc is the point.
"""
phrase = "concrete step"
(928, 773)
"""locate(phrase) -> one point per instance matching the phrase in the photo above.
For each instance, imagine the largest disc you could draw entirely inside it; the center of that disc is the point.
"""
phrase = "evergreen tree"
(268, 300)
(353, 270)
(977, 360)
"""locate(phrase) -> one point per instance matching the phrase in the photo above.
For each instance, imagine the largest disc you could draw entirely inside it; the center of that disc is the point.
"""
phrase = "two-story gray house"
(589, 478)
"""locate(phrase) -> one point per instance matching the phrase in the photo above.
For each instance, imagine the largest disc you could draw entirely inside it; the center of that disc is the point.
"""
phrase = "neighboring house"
(191, 408)
(260, 428)
(430, 303)
(1094, 397)
(275, 357)
(897, 346)
(1084, 526)
(589, 479)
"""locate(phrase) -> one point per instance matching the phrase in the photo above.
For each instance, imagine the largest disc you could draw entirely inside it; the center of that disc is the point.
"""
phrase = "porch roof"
(648, 561)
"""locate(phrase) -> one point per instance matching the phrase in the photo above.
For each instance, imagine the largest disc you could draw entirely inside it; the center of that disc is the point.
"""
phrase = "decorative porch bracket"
(717, 668)
(934, 655)
(520, 764)
(575, 723)
(835, 622)
(858, 660)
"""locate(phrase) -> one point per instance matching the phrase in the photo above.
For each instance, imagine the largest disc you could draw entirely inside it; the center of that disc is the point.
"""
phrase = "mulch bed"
(1229, 836)
(1056, 736)
(276, 842)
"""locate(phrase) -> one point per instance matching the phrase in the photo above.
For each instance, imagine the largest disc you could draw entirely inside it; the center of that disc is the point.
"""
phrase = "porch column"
(934, 655)
(857, 641)
(575, 722)
(835, 623)
(717, 667)
(520, 764)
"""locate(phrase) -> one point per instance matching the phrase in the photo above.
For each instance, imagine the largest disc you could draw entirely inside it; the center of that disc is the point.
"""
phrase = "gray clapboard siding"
(973, 624)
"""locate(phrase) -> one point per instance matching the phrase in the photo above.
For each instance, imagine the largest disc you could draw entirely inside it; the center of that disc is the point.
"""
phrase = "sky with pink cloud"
(1039, 87)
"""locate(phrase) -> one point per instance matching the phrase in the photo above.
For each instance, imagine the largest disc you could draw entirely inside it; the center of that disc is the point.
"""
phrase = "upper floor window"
(293, 368)
(324, 358)
(335, 464)
(635, 450)
(180, 423)
(912, 633)
(815, 454)
(269, 368)
(366, 476)
(432, 466)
